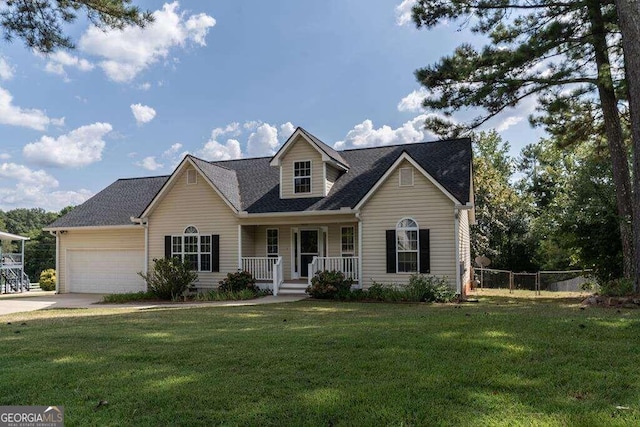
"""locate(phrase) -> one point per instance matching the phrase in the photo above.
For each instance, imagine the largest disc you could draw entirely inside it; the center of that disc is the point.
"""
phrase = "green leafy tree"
(502, 217)
(40, 22)
(554, 51)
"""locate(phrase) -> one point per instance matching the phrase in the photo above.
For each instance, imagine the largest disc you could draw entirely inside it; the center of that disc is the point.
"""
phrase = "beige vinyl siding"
(465, 247)
(332, 174)
(284, 245)
(423, 202)
(198, 205)
(248, 239)
(300, 151)
(106, 239)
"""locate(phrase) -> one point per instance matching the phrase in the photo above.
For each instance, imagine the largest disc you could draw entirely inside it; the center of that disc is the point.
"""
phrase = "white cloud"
(263, 141)
(129, 51)
(26, 117)
(508, 122)
(24, 187)
(78, 148)
(27, 176)
(213, 150)
(6, 70)
(173, 150)
(251, 124)
(230, 129)
(150, 163)
(5, 156)
(365, 135)
(144, 86)
(142, 113)
(286, 130)
(60, 59)
(413, 101)
(403, 12)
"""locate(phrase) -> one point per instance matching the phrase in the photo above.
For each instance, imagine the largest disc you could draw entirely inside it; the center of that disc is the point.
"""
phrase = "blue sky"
(219, 80)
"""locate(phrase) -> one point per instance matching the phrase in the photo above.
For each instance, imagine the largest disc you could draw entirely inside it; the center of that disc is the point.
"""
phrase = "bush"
(234, 282)
(170, 279)
(330, 285)
(429, 289)
(128, 297)
(48, 280)
(243, 294)
(382, 292)
(617, 288)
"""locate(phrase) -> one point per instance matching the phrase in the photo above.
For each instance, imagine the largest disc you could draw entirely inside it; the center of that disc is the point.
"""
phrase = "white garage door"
(105, 271)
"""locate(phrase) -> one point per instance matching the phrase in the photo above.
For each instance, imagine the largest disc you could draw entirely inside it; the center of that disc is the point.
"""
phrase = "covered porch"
(12, 275)
(285, 255)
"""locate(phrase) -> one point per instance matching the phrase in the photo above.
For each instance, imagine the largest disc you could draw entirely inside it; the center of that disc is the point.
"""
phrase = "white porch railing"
(265, 268)
(347, 265)
(11, 259)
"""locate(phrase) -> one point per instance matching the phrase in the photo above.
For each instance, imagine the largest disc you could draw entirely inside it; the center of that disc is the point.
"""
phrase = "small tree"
(48, 280)
(170, 278)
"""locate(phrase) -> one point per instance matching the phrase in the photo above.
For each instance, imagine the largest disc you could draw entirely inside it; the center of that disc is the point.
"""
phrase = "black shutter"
(425, 256)
(215, 253)
(391, 251)
(167, 247)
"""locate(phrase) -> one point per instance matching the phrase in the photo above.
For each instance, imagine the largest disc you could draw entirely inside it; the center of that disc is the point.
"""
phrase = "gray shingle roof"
(253, 185)
(449, 162)
(224, 179)
(115, 204)
(329, 151)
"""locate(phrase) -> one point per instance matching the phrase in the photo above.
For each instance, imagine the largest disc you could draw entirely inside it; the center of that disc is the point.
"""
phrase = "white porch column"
(239, 247)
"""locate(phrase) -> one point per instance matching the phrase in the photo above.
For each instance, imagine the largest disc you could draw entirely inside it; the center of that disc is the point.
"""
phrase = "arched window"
(407, 246)
(193, 247)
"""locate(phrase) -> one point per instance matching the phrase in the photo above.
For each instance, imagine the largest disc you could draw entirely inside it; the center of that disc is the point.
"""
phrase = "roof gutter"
(341, 211)
(93, 227)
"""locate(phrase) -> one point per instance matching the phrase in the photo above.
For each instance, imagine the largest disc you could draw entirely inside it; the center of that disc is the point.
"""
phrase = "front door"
(308, 249)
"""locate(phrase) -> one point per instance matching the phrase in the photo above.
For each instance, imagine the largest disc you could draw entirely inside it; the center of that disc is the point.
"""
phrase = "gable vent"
(192, 177)
(406, 177)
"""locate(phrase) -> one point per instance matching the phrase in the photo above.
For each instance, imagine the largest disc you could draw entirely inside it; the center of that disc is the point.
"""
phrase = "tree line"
(40, 250)
(580, 60)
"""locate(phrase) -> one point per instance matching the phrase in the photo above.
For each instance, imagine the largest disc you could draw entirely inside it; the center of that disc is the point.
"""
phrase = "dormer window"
(302, 177)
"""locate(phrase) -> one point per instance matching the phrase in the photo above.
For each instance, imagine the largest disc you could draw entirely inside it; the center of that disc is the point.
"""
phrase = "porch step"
(292, 289)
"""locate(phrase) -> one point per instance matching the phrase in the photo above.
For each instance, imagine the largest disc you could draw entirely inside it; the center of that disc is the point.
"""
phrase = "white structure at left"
(12, 275)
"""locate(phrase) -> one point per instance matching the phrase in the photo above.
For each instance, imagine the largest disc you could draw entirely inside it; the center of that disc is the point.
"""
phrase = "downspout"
(55, 233)
(456, 227)
(360, 280)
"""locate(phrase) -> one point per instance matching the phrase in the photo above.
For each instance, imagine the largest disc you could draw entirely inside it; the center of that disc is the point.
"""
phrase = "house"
(377, 214)
(12, 275)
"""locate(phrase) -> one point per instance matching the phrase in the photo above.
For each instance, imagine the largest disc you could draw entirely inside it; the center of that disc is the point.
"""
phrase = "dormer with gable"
(308, 166)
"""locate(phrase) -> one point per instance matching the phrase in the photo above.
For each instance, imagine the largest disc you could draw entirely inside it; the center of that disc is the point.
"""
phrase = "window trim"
(416, 229)
(310, 177)
(199, 242)
(351, 253)
(277, 245)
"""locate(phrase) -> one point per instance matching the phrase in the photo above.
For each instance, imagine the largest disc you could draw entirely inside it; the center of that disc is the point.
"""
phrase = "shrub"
(381, 292)
(170, 278)
(243, 294)
(617, 288)
(48, 280)
(128, 297)
(242, 280)
(429, 289)
(330, 285)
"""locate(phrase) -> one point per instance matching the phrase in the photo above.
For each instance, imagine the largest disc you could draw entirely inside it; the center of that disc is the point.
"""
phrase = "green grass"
(502, 361)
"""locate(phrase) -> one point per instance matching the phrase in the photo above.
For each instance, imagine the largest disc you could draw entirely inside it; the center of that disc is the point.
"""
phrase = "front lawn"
(502, 361)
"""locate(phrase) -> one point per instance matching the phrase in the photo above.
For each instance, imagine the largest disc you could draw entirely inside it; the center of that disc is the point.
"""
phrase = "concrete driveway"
(38, 300)
(30, 301)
